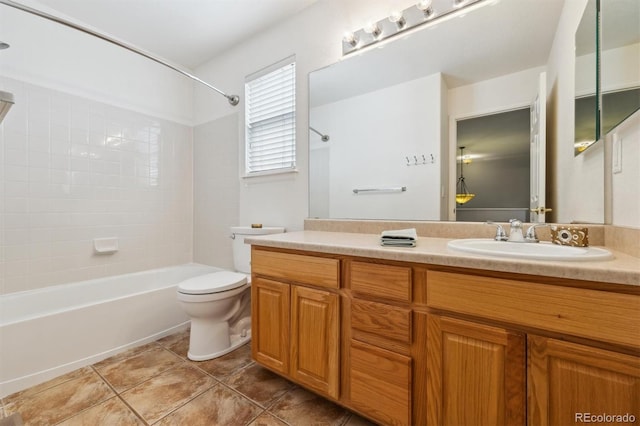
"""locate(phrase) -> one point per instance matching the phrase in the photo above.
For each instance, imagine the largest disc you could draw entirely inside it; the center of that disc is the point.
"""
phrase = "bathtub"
(48, 332)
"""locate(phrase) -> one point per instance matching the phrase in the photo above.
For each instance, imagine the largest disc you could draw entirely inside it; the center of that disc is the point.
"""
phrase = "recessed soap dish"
(105, 245)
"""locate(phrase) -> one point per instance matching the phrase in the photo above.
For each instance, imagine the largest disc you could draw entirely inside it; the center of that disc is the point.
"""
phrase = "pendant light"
(462, 193)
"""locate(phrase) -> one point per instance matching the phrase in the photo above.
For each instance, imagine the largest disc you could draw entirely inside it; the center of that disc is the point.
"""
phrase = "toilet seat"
(216, 282)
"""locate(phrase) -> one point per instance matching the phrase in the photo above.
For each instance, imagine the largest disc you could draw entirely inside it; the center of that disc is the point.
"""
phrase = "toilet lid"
(215, 282)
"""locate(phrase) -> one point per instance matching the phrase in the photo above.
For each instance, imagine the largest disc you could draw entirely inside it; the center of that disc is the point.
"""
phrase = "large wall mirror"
(620, 61)
(587, 102)
(390, 116)
(608, 78)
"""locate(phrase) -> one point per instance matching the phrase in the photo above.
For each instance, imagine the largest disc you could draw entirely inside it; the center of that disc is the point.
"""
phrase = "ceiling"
(186, 32)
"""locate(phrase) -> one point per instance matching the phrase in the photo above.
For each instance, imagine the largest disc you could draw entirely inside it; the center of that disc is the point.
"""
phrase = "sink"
(537, 251)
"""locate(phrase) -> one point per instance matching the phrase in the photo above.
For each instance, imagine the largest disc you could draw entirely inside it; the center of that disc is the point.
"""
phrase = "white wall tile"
(74, 170)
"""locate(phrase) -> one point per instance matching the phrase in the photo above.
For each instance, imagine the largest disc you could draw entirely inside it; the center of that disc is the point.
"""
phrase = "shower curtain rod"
(233, 99)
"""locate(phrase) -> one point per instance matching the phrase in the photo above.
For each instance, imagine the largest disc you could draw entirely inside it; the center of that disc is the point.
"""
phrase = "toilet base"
(210, 336)
(236, 341)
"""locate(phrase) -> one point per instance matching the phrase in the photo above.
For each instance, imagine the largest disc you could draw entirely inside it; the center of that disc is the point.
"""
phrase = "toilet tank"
(242, 251)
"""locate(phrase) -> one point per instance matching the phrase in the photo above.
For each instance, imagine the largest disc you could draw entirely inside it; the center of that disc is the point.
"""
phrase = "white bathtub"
(48, 332)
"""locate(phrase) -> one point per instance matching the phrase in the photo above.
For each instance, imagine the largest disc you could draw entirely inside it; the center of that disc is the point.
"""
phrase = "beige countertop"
(622, 269)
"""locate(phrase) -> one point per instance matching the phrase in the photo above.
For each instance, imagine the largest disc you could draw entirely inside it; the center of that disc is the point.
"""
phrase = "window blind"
(271, 121)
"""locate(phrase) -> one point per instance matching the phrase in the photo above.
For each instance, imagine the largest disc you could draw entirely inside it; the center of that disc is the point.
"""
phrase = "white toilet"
(219, 303)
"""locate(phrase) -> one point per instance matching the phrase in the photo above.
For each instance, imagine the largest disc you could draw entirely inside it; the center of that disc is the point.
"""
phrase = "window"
(270, 120)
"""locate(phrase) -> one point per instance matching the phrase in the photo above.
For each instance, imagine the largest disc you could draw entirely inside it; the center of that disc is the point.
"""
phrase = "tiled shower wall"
(73, 170)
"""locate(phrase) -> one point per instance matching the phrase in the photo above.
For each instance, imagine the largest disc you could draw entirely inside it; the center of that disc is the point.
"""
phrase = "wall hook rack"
(422, 160)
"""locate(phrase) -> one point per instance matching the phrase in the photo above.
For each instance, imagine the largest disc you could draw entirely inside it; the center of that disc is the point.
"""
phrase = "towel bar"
(395, 189)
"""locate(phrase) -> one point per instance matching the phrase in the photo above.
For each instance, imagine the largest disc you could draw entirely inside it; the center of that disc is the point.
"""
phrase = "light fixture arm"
(233, 99)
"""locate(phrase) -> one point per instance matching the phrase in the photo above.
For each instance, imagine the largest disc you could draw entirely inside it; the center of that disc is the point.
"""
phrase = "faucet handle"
(500, 234)
(531, 236)
(515, 223)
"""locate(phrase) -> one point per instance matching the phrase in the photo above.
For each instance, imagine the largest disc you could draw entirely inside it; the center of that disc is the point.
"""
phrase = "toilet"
(219, 303)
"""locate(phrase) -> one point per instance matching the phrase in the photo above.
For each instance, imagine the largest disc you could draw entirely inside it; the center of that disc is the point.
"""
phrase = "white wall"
(621, 67)
(361, 122)
(508, 92)
(625, 209)
(95, 146)
(216, 190)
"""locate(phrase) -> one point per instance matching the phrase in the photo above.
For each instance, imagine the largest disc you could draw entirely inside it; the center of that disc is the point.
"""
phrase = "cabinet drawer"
(371, 320)
(380, 383)
(318, 271)
(593, 314)
(384, 281)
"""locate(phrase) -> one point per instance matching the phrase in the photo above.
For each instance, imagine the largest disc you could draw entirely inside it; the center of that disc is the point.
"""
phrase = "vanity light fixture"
(421, 13)
(462, 193)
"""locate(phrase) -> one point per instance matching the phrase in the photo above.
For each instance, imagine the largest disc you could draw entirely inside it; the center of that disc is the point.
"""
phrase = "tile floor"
(156, 384)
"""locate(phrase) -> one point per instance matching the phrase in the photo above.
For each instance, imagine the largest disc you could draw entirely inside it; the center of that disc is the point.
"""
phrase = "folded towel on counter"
(399, 238)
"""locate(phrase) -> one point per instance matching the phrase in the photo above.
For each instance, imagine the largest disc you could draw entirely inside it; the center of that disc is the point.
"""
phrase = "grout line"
(187, 402)
(85, 409)
(135, 413)
(95, 370)
(255, 417)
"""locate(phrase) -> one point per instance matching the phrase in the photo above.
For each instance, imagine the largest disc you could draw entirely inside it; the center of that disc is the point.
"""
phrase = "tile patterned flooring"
(156, 384)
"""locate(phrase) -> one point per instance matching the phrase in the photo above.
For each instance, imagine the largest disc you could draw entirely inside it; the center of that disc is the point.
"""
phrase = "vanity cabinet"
(477, 373)
(478, 370)
(270, 323)
(569, 381)
(413, 344)
(314, 339)
(295, 327)
(380, 367)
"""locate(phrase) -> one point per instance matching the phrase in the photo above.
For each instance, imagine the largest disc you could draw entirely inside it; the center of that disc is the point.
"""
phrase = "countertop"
(622, 269)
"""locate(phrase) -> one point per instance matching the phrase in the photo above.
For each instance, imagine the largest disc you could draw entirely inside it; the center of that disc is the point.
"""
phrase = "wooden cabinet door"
(569, 382)
(270, 323)
(315, 337)
(380, 383)
(475, 374)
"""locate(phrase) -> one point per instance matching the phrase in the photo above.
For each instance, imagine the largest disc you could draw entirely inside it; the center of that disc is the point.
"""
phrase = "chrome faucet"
(515, 231)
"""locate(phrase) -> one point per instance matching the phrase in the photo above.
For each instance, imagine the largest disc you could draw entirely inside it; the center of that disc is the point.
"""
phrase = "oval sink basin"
(537, 251)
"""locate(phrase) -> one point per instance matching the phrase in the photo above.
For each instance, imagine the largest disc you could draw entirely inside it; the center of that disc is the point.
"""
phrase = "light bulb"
(350, 38)
(373, 28)
(425, 7)
(397, 18)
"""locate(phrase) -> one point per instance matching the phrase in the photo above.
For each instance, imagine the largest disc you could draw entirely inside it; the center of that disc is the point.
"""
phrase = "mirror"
(587, 103)
(390, 111)
(620, 61)
(600, 109)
